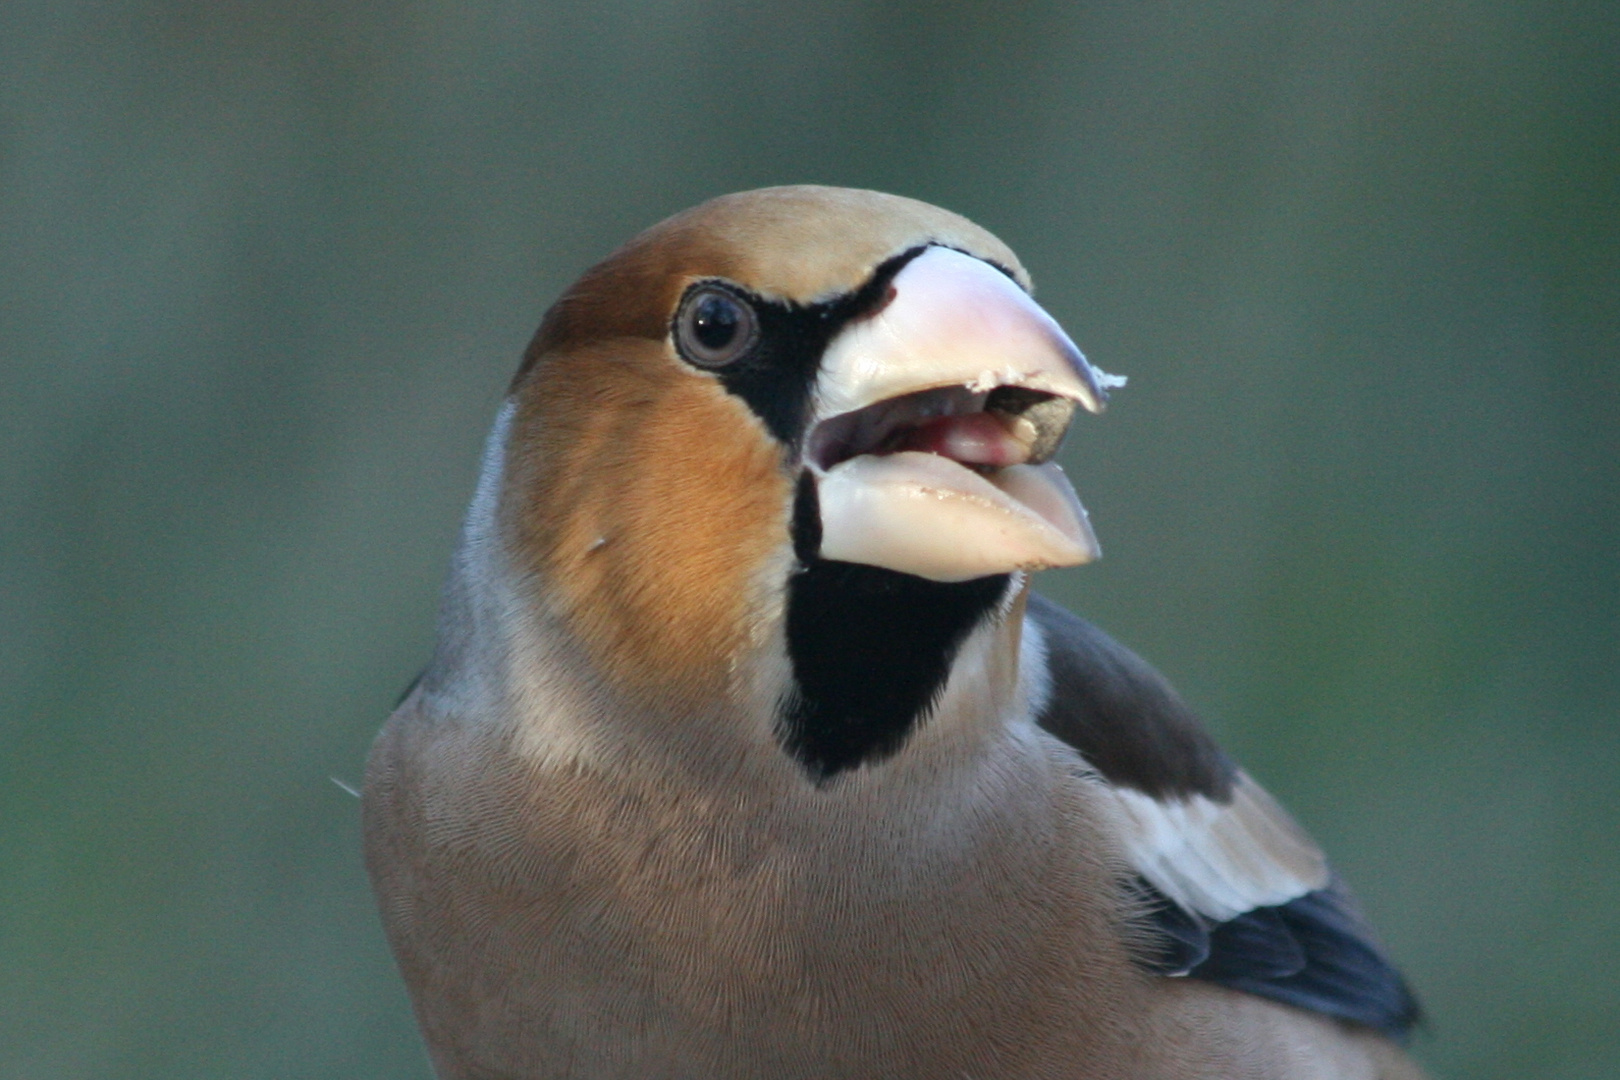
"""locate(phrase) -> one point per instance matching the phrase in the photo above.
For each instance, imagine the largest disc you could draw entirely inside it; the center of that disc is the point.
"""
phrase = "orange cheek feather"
(647, 499)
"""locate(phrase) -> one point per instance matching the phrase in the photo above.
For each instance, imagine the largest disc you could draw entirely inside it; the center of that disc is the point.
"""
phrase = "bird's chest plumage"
(567, 921)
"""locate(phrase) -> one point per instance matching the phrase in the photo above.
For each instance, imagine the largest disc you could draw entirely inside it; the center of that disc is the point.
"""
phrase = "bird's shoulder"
(1236, 892)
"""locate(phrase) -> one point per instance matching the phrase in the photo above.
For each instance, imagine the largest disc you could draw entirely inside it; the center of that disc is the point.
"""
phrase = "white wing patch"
(1220, 860)
(1217, 860)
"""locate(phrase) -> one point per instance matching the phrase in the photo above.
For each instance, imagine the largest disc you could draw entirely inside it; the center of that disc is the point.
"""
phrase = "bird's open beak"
(936, 421)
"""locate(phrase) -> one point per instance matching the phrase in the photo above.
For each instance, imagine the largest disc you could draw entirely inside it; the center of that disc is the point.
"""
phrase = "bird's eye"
(714, 327)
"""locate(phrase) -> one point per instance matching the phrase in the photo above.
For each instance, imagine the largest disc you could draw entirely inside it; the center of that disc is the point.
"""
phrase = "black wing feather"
(1346, 975)
(1257, 946)
(1315, 953)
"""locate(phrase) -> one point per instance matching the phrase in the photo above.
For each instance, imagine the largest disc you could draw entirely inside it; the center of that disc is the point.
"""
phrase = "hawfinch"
(746, 751)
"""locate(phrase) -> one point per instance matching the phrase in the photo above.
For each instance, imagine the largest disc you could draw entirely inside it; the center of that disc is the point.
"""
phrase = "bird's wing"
(1239, 894)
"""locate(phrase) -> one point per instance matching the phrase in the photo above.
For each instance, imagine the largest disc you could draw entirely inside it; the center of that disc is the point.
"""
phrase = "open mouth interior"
(981, 430)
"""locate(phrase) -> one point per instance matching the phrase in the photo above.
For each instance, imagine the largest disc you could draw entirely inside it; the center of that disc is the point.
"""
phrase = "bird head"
(776, 381)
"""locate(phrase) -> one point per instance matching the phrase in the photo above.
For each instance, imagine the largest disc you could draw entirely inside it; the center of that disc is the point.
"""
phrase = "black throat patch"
(871, 650)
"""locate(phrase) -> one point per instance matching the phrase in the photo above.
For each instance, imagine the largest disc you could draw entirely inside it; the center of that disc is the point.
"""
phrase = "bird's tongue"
(978, 438)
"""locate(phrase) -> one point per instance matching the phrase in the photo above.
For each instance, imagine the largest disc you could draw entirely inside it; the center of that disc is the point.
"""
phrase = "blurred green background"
(265, 268)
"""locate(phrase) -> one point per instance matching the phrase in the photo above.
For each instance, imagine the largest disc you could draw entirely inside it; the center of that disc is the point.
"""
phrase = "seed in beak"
(1040, 420)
